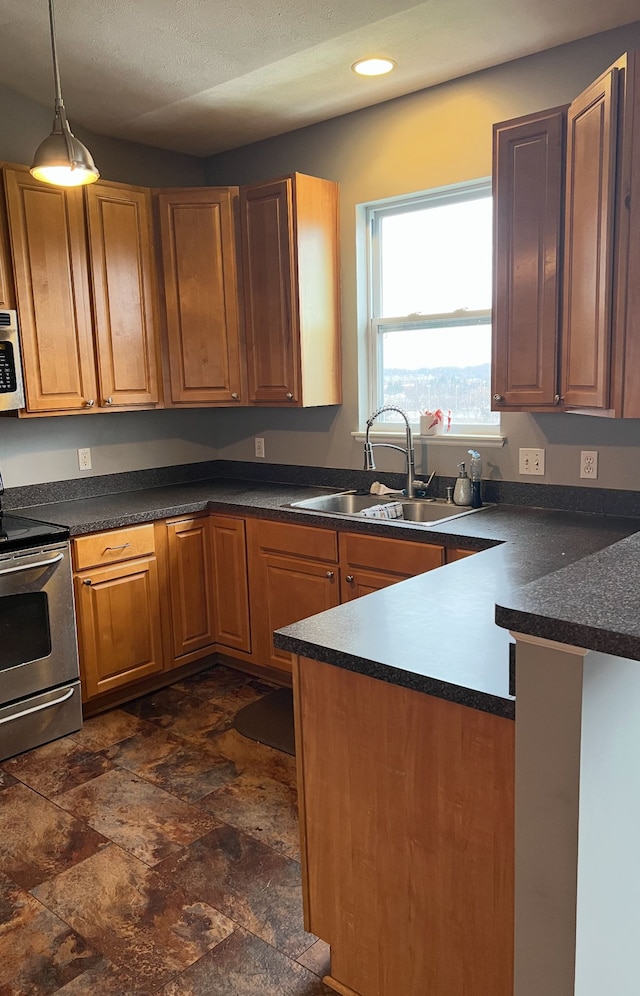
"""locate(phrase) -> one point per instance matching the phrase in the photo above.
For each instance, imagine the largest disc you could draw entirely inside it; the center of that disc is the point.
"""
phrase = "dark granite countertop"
(437, 632)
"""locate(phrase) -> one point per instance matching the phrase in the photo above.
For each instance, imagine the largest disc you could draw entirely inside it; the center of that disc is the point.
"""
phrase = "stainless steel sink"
(414, 509)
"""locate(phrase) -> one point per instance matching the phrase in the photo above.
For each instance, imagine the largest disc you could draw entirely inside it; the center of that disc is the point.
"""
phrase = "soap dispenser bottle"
(462, 490)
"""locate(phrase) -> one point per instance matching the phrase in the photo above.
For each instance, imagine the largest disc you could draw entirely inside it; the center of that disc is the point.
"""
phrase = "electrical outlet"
(259, 441)
(589, 464)
(84, 459)
(532, 462)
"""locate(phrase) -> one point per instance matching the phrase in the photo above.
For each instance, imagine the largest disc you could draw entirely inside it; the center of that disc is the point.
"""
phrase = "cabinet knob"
(108, 401)
(350, 578)
(498, 398)
(289, 396)
(90, 402)
(330, 574)
(87, 581)
(557, 399)
(235, 395)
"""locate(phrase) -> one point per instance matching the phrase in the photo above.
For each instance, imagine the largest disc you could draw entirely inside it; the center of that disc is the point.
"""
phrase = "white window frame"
(374, 213)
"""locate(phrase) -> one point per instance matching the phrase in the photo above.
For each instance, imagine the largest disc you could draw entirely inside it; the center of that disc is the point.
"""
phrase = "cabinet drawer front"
(112, 546)
(298, 541)
(393, 555)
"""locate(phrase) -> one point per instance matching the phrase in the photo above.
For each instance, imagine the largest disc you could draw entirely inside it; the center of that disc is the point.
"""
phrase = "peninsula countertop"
(437, 632)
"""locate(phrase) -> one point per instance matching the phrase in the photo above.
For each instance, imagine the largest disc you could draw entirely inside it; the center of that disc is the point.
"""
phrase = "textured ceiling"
(202, 76)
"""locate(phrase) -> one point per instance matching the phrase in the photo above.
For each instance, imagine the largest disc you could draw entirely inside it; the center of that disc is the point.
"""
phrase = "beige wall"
(424, 140)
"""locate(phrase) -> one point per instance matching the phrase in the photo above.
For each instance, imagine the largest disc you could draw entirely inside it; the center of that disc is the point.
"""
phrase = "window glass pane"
(429, 368)
(436, 259)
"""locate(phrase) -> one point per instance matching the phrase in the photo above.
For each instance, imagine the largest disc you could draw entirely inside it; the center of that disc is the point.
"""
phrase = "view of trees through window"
(432, 304)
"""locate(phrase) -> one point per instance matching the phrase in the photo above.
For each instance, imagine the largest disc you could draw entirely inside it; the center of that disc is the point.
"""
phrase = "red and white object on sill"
(435, 423)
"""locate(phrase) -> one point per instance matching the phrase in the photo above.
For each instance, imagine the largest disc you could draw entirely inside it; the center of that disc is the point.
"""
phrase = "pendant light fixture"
(61, 159)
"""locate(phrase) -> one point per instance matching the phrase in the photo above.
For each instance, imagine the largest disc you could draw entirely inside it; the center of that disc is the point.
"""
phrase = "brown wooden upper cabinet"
(291, 291)
(197, 228)
(593, 362)
(83, 275)
(528, 180)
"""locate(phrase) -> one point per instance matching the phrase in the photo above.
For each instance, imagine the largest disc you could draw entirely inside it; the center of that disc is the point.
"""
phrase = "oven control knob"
(87, 581)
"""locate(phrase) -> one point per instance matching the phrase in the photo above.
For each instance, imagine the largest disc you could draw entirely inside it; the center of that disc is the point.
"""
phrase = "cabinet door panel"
(119, 624)
(50, 267)
(290, 590)
(231, 588)
(528, 187)
(271, 309)
(191, 587)
(356, 583)
(589, 232)
(122, 278)
(201, 294)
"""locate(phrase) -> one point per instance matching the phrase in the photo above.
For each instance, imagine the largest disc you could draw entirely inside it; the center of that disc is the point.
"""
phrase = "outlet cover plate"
(259, 442)
(589, 465)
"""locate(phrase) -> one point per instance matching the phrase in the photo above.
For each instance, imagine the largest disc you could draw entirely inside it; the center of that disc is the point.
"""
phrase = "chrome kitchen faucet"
(369, 462)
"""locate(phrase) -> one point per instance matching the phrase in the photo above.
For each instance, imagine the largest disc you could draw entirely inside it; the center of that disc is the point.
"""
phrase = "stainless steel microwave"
(11, 384)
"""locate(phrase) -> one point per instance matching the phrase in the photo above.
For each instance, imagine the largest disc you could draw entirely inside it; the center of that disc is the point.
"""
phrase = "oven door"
(38, 647)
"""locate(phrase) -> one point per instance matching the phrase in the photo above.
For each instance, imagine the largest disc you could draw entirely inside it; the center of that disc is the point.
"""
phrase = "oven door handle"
(38, 708)
(29, 567)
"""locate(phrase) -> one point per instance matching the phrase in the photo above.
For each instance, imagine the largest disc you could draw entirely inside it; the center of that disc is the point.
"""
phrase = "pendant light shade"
(61, 159)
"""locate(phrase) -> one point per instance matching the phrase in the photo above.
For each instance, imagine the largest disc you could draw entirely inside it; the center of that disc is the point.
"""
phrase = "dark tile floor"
(155, 851)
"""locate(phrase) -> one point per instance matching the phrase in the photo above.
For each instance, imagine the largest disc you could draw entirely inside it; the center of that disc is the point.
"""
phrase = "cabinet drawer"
(298, 541)
(112, 546)
(396, 556)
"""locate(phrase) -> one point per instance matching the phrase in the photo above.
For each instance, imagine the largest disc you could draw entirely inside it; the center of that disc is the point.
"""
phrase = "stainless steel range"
(40, 697)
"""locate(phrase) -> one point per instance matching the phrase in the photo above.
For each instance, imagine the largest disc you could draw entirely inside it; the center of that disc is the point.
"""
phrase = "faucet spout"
(369, 462)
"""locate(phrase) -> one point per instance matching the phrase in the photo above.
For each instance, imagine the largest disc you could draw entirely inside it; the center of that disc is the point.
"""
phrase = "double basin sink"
(424, 510)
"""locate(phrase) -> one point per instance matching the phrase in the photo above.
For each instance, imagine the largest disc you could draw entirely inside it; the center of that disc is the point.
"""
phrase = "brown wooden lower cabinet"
(455, 553)
(406, 809)
(191, 588)
(293, 573)
(231, 583)
(120, 634)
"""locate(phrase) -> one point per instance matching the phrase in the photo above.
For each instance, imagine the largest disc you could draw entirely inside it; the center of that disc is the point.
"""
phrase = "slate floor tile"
(38, 839)
(130, 914)
(108, 728)
(249, 882)
(57, 767)
(244, 965)
(144, 820)
(248, 755)
(262, 807)
(183, 714)
(187, 770)
(317, 958)
(39, 953)
(6, 779)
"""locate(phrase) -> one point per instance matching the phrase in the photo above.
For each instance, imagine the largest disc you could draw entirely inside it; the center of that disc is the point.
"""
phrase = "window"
(430, 267)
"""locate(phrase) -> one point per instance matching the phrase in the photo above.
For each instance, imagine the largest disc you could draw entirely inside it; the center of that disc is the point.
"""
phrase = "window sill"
(446, 439)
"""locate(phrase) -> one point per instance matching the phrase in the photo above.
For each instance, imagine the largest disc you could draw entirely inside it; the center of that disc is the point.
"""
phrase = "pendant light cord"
(54, 53)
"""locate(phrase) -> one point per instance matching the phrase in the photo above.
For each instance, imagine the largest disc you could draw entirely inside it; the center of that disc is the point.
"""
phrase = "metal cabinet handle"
(557, 399)
(87, 581)
(350, 578)
(289, 396)
(90, 402)
(498, 398)
(108, 401)
(330, 574)
(30, 567)
(235, 395)
(123, 546)
(43, 705)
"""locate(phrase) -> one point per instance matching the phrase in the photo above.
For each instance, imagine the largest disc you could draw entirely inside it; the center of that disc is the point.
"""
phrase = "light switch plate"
(532, 462)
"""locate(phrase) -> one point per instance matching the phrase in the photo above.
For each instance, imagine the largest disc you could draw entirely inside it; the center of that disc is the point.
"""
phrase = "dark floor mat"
(269, 720)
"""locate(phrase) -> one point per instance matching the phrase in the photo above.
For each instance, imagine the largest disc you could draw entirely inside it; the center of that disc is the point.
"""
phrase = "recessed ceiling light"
(373, 67)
